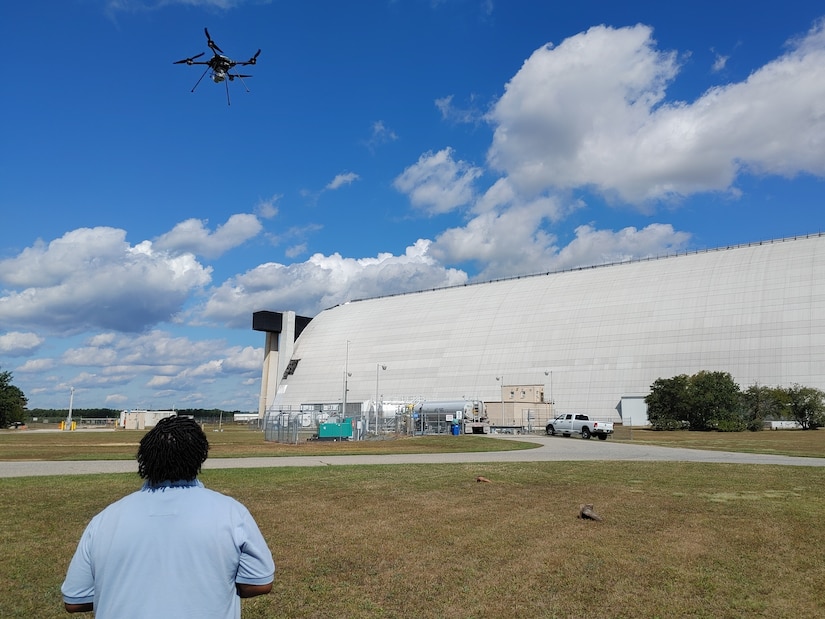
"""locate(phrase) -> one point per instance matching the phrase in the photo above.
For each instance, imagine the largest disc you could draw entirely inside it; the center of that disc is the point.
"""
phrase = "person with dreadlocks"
(172, 549)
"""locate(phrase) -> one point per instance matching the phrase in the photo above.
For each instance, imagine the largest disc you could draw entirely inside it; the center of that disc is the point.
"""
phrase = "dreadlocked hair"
(173, 450)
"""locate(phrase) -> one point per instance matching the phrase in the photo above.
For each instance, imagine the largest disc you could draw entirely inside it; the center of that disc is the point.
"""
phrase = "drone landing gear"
(226, 83)
(231, 78)
(199, 79)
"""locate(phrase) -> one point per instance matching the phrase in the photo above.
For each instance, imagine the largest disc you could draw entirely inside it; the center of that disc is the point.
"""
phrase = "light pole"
(346, 374)
(550, 373)
(378, 366)
(344, 398)
(501, 378)
(552, 403)
(71, 400)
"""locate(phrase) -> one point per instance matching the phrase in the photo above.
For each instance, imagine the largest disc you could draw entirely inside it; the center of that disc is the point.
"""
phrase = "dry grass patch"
(805, 443)
(233, 442)
(241, 442)
(677, 539)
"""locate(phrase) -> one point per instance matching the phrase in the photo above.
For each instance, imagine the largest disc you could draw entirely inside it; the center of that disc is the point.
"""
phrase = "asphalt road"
(549, 449)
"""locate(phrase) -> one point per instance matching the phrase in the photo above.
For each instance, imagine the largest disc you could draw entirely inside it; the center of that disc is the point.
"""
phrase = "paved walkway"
(549, 449)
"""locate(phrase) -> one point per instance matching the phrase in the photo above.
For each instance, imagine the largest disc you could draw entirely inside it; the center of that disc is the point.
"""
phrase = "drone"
(220, 66)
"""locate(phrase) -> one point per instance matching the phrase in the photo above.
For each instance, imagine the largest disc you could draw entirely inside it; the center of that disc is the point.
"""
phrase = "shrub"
(669, 424)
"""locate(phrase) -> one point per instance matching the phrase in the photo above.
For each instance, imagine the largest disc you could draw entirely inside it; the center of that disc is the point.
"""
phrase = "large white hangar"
(589, 336)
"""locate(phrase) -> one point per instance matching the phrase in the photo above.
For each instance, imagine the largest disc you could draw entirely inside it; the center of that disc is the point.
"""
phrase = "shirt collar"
(181, 483)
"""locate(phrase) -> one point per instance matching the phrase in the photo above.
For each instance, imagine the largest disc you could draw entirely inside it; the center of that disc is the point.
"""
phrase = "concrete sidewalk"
(547, 449)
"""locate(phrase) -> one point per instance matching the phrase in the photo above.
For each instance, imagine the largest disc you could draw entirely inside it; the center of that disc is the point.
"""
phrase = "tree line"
(13, 408)
(713, 401)
(206, 415)
(12, 401)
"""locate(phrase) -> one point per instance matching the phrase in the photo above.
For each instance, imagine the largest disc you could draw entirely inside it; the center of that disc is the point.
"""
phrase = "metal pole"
(346, 388)
(501, 378)
(375, 401)
(346, 372)
(378, 366)
(71, 400)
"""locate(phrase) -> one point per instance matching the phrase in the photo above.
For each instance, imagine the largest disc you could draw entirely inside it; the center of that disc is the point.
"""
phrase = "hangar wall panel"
(589, 335)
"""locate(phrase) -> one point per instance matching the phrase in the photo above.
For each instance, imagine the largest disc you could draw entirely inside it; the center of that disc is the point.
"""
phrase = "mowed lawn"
(229, 442)
(676, 539)
(241, 442)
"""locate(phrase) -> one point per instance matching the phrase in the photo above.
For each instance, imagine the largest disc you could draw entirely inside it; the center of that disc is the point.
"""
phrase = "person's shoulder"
(113, 508)
(221, 498)
(124, 500)
(218, 496)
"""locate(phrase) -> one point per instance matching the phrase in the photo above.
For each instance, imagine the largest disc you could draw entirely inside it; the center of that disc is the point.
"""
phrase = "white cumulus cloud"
(342, 179)
(36, 365)
(91, 278)
(17, 343)
(323, 281)
(592, 113)
(192, 235)
(437, 183)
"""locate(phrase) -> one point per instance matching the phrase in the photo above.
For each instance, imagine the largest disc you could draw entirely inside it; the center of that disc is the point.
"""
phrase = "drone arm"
(212, 45)
(190, 60)
(253, 60)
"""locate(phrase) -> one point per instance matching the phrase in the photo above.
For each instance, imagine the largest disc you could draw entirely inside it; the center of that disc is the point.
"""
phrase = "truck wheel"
(551, 431)
(585, 433)
(602, 437)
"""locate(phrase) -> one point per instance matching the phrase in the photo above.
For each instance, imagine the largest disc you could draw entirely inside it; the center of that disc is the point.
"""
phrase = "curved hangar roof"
(590, 335)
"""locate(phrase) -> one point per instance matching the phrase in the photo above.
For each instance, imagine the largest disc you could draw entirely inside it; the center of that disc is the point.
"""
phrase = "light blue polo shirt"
(172, 551)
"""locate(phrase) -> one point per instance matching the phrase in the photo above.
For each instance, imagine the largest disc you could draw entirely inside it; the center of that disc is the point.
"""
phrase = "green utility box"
(335, 431)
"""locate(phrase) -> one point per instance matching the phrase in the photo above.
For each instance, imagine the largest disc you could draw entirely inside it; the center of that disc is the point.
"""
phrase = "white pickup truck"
(576, 423)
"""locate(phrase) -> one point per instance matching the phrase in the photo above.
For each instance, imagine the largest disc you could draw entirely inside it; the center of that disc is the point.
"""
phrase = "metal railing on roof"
(594, 266)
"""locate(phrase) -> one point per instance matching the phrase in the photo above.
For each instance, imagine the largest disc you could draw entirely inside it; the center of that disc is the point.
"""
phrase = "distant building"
(141, 419)
(245, 417)
(589, 340)
(782, 424)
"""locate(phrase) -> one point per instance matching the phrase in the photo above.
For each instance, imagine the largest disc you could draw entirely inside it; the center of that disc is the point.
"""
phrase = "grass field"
(234, 442)
(677, 539)
(809, 443)
(240, 442)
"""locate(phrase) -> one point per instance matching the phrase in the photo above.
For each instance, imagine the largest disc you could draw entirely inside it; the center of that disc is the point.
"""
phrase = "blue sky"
(384, 146)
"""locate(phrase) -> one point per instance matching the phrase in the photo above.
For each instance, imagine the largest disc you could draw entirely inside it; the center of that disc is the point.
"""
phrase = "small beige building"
(521, 406)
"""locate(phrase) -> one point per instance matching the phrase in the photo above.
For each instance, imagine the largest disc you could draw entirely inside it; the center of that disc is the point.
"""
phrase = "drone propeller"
(232, 76)
(188, 60)
(254, 58)
(212, 45)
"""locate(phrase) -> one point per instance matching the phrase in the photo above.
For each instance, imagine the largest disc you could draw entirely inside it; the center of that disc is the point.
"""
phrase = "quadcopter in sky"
(220, 66)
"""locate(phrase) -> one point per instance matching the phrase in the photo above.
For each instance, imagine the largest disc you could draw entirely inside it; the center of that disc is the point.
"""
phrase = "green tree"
(667, 402)
(714, 402)
(12, 401)
(760, 403)
(806, 406)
